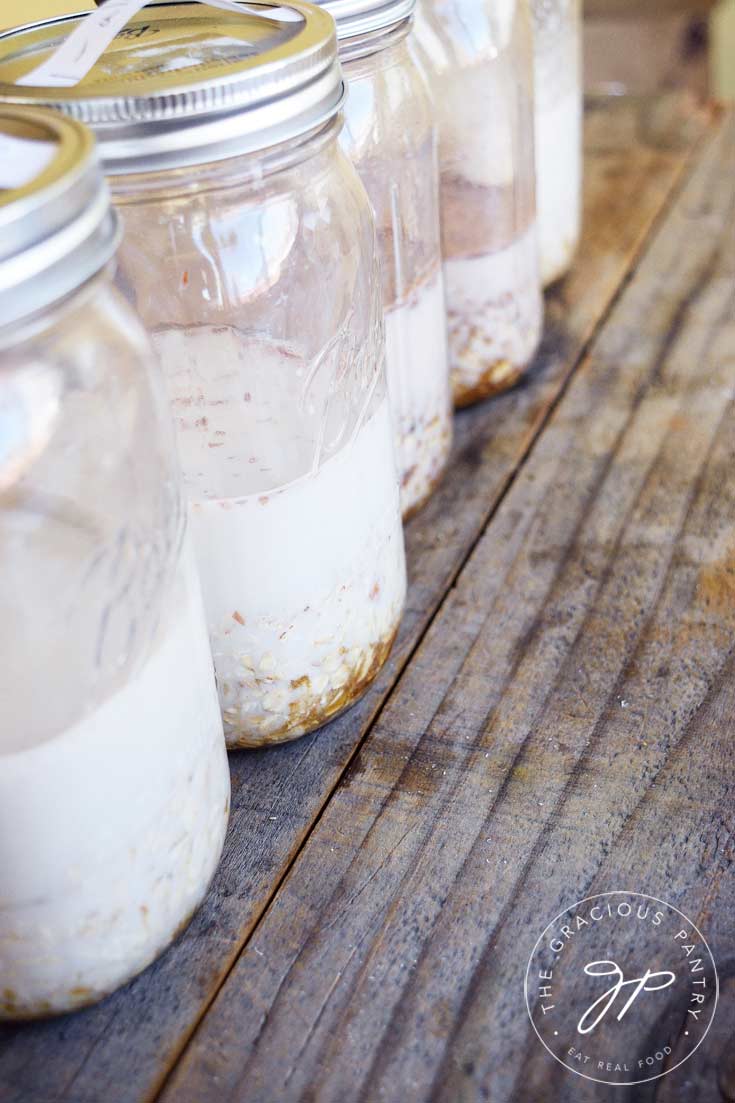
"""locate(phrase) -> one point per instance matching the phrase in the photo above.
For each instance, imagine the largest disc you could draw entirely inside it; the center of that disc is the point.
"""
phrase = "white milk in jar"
(558, 115)
(114, 787)
(301, 558)
(110, 831)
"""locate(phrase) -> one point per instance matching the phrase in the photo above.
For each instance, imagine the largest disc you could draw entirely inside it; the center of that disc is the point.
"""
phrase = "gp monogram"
(621, 988)
(589, 1020)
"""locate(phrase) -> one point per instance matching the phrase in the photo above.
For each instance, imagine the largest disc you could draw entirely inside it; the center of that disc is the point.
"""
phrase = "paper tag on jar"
(22, 160)
(76, 55)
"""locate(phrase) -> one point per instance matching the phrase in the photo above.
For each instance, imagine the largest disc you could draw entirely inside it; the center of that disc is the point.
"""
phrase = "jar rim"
(363, 46)
(366, 17)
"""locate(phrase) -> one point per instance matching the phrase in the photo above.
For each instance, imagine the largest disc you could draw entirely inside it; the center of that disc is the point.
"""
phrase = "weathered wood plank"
(563, 729)
(122, 1049)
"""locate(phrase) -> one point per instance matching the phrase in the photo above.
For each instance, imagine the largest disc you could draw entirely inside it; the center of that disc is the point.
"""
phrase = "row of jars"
(270, 281)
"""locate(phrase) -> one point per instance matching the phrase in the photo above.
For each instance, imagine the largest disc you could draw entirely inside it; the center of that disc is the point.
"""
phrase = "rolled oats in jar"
(114, 787)
(478, 56)
(390, 135)
(249, 250)
(557, 34)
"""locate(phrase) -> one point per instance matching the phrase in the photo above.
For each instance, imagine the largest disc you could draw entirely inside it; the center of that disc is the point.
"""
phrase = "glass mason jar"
(557, 37)
(391, 138)
(478, 56)
(114, 788)
(249, 250)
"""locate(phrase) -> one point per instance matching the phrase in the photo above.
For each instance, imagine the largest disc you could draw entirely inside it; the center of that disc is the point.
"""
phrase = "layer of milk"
(558, 133)
(558, 182)
(495, 312)
(304, 588)
(475, 88)
(477, 140)
(301, 558)
(111, 831)
(418, 385)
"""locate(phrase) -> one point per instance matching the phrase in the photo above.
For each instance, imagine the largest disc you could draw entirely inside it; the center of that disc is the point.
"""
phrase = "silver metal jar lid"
(185, 83)
(355, 18)
(57, 228)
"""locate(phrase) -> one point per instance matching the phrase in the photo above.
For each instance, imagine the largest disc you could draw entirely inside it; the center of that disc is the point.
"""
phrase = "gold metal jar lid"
(57, 228)
(185, 83)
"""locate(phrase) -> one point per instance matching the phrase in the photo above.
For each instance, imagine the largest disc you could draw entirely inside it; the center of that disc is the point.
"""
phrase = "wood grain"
(122, 1050)
(564, 728)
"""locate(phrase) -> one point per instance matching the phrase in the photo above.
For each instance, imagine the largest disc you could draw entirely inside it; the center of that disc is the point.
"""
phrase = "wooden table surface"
(384, 881)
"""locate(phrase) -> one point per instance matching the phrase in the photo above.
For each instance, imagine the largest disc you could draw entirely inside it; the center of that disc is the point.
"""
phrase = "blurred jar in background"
(478, 56)
(114, 788)
(661, 46)
(390, 135)
(558, 113)
(249, 250)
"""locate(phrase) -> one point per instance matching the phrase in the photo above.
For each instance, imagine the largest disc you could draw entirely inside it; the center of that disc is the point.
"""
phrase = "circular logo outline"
(573, 907)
